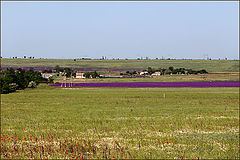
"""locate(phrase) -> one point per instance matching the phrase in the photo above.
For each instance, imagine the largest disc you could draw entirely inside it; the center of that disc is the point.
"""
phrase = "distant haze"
(193, 30)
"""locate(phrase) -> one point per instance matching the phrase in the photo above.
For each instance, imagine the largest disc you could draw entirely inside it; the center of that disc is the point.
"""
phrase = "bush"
(32, 84)
(5, 89)
(12, 80)
(203, 71)
(171, 68)
(13, 87)
(168, 71)
(150, 70)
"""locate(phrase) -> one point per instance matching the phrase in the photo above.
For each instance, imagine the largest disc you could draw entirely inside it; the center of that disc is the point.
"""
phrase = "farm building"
(46, 75)
(143, 73)
(156, 74)
(80, 75)
(110, 76)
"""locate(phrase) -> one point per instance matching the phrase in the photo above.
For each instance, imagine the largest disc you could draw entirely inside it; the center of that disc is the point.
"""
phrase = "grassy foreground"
(80, 123)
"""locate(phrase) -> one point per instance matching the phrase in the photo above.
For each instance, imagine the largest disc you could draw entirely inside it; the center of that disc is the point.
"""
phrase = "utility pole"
(65, 77)
(62, 79)
(71, 80)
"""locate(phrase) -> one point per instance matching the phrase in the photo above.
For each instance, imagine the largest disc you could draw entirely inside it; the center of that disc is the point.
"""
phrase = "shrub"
(171, 68)
(32, 84)
(12, 80)
(13, 87)
(203, 71)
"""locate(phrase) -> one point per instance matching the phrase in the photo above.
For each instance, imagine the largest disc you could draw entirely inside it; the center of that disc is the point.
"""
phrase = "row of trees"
(23, 57)
(58, 69)
(129, 73)
(163, 71)
(12, 80)
(172, 70)
(91, 74)
(71, 72)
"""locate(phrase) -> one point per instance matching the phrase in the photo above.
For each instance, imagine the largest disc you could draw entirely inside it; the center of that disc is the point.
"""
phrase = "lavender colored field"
(155, 84)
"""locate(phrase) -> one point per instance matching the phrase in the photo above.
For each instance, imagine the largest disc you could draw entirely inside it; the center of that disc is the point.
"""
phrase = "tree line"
(93, 74)
(163, 71)
(57, 69)
(72, 72)
(19, 79)
(172, 70)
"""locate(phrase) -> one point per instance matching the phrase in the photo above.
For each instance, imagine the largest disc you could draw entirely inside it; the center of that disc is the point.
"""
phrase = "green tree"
(95, 74)
(32, 84)
(4, 87)
(91, 74)
(58, 69)
(87, 74)
(203, 71)
(21, 79)
(10, 76)
(150, 70)
(171, 68)
(68, 72)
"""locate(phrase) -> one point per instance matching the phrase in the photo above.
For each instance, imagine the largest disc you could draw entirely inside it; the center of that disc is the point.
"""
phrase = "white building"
(143, 73)
(79, 75)
(46, 75)
(156, 74)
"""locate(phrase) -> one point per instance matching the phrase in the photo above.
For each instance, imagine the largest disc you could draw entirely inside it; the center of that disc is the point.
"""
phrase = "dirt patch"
(106, 141)
(223, 117)
(198, 131)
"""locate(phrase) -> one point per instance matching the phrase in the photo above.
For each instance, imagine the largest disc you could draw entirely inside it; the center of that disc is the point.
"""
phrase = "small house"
(143, 73)
(46, 75)
(156, 74)
(79, 75)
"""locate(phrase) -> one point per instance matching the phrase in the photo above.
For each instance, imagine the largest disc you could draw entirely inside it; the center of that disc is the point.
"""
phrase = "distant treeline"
(58, 69)
(172, 70)
(91, 75)
(163, 71)
(71, 72)
(12, 80)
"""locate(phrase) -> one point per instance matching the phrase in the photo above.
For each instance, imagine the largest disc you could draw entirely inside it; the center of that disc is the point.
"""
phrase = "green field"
(134, 123)
(165, 78)
(209, 65)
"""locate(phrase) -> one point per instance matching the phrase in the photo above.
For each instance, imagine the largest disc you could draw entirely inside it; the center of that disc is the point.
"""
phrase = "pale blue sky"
(120, 29)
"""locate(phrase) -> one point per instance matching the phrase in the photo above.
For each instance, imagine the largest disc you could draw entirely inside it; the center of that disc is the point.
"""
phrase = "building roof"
(79, 74)
(46, 75)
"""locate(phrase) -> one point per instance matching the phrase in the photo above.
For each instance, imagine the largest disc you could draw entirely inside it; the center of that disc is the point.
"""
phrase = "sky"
(190, 30)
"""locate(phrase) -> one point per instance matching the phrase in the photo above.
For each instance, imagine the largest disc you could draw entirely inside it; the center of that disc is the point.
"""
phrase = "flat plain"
(165, 78)
(120, 123)
(123, 65)
(123, 123)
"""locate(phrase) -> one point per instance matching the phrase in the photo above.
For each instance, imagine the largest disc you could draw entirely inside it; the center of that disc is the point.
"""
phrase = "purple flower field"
(156, 84)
